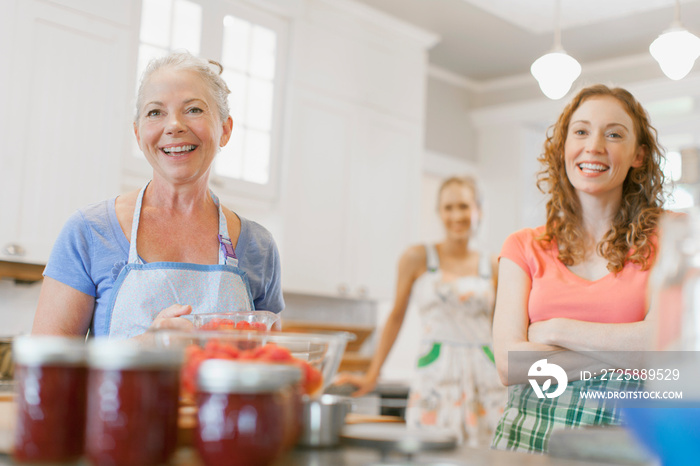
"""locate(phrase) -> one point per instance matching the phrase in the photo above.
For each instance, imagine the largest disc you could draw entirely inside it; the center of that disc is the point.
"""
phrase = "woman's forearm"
(577, 335)
(618, 345)
(523, 356)
(386, 342)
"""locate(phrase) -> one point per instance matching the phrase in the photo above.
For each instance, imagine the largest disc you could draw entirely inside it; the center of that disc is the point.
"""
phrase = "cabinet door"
(314, 253)
(10, 161)
(70, 124)
(385, 193)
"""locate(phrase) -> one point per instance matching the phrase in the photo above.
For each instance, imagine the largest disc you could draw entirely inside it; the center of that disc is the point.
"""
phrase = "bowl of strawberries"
(318, 355)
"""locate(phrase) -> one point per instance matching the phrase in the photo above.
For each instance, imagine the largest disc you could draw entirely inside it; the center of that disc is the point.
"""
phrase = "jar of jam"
(246, 411)
(50, 381)
(133, 396)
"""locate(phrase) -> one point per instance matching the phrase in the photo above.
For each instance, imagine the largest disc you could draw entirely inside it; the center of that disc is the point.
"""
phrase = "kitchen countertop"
(602, 443)
(345, 455)
(352, 456)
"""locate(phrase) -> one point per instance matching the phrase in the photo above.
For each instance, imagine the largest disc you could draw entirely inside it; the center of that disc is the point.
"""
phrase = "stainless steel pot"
(322, 420)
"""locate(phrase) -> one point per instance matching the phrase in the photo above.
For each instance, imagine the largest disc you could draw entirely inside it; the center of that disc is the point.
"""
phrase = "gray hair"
(185, 61)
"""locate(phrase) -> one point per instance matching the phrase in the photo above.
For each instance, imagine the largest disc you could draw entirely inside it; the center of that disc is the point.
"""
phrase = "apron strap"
(133, 255)
(227, 254)
(432, 260)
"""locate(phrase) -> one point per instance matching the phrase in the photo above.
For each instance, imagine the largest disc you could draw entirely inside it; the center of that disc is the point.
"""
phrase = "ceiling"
(485, 40)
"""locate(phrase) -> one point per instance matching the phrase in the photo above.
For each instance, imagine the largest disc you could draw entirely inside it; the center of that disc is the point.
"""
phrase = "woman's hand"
(363, 382)
(169, 318)
(544, 331)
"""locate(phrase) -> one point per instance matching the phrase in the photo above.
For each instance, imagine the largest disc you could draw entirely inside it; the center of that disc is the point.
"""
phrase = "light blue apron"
(143, 290)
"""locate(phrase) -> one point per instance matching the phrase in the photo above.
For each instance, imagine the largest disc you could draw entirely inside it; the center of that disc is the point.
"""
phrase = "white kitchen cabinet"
(352, 205)
(66, 123)
(351, 195)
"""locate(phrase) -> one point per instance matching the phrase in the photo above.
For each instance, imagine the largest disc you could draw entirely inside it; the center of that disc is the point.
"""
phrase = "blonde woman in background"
(456, 385)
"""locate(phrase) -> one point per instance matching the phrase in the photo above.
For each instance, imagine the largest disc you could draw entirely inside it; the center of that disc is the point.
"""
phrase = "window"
(250, 45)
(682, 188)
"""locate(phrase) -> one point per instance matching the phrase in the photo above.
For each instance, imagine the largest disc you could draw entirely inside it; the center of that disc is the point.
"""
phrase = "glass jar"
(670, 427)
(133, 397)
(51, 380)
(248, 413)
(674, 284)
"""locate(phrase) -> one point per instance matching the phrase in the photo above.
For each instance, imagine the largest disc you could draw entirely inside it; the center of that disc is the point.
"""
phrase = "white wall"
(448, 129)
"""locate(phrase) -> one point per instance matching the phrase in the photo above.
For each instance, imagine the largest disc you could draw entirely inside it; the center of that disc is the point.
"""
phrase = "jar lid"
(32, 350)
(225, 376)
(125, 354)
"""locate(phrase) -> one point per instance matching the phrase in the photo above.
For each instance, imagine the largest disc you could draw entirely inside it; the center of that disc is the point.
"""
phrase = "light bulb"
(676, 51)
(555, 72)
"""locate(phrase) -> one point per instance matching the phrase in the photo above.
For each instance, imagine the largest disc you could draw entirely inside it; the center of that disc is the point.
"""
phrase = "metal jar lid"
(225, 376)
(124, 354)
(37, 350)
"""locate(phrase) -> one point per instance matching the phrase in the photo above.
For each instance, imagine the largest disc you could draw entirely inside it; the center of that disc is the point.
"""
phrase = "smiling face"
(179, 129)
(457, 208)
(601, 147)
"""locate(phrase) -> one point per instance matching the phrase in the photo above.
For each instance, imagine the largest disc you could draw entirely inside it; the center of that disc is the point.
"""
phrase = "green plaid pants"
(528, 422)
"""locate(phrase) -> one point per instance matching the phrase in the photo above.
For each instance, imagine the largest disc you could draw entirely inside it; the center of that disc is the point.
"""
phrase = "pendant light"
(676, 48)
(556, 71)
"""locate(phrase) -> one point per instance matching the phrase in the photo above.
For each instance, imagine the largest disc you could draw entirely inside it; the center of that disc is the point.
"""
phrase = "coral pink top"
(558, 292)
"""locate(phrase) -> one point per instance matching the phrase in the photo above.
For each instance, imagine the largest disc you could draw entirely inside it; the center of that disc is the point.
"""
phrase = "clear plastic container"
(133, 400)
(241, 320)
(51, 381)
(248, 413)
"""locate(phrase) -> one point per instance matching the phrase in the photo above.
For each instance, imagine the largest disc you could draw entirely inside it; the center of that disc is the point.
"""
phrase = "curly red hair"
(634, 226)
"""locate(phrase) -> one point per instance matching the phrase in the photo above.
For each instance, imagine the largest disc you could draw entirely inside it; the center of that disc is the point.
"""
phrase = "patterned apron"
(456, 386)
(142, 290)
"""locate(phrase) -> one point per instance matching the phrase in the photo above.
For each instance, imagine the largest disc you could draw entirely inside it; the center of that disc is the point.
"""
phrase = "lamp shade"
(676, 51)
(555, 72)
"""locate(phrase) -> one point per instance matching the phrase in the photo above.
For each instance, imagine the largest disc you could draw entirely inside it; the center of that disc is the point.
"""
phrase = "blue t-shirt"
(92, 249)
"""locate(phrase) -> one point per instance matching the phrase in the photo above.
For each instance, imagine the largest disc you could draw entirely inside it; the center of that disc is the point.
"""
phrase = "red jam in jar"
(133, 396)
(51, 380)
(246, 412)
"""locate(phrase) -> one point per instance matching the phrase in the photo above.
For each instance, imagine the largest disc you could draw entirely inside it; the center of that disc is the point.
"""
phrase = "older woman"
(145, 258)
(578, 283)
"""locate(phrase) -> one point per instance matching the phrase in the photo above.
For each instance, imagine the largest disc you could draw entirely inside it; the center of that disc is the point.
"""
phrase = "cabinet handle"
(343, 289)
(362, 292)
(14, 249)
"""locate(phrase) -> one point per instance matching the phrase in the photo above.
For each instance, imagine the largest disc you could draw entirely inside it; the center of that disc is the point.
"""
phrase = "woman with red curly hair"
(578, 283)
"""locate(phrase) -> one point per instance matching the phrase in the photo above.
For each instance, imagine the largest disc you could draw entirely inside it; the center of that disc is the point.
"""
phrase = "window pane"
(259, 114)
(155, 22)
(229, 162)
(257, 157)
(262, 55)
(236, 44)
(187, 26)
(681, 198)
(673, 166)
(238, 98)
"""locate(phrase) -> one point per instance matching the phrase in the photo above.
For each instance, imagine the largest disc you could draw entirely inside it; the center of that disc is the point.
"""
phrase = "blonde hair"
(185, 61)
(466, 181)
(634, 226)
